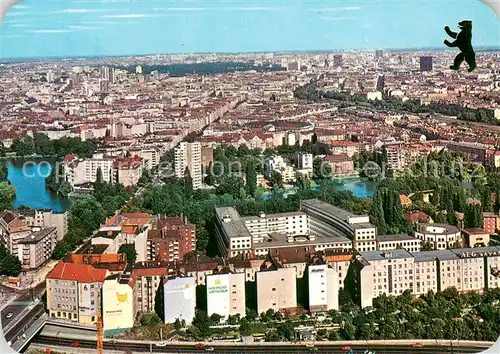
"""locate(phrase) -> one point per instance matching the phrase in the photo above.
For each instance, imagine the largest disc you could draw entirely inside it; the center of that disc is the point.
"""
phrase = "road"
(23, 324)
(23, 300)
(49, 341)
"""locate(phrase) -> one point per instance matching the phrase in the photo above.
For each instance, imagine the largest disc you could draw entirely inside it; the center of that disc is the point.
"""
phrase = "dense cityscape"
(246, 198)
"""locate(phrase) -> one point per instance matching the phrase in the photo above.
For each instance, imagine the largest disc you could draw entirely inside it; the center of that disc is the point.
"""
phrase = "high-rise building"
(171, 240)
(50, 76)
(226, 294)
(426, 63)
(276, 289)
(323, 288)
(103, 85)
(138, 69)
(180, 299)
(188, 155)
(108, 73)
(338, 60)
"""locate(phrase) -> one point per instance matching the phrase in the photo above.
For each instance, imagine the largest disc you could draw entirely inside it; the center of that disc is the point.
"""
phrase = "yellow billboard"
(117, 306)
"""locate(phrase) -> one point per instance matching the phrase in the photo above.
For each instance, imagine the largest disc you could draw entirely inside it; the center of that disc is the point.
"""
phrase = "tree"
(473, 216)
(9, 264)
(3, 172)
(276, 179)
(377, 213)
(251, 179)
(7, 195)
(61, 250)
(3, 150)
(129, 250)
(188, 183)
(159, 301)
(177, 324)
(24, 147)
(43, 145)
(210, 179)
(86, 214)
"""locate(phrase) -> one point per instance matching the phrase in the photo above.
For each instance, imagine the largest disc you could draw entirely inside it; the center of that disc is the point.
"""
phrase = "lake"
(361, 189)
(29, 180)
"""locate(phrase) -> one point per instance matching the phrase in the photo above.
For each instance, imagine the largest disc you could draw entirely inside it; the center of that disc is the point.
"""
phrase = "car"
(313, 349)
(417, 345)
(346, 348)
(9, 315)
(209, 349)
(309, 345)
(200, 345)
(75, 344)
(161, 344)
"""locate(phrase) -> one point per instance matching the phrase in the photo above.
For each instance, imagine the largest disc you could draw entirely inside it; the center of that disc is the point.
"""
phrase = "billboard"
(85, 307)
(117, 305)
(218, 294)
(179, 299)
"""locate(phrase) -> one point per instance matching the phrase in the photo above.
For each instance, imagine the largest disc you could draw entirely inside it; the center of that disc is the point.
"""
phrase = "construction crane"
(99, 323)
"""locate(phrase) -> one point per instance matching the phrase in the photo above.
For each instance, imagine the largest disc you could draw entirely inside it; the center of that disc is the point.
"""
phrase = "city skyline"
(51, 29)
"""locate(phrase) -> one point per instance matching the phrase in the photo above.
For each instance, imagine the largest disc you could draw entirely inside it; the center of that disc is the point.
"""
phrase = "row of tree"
(40, 144)
(311, 92)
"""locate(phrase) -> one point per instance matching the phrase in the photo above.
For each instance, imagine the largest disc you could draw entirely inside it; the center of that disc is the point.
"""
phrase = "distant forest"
(177, 70)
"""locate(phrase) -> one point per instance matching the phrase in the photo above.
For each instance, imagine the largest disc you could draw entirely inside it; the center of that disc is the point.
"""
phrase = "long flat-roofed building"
(400, 241)
(233, 237)
(393, 272)
(325, 218)
(258, 235)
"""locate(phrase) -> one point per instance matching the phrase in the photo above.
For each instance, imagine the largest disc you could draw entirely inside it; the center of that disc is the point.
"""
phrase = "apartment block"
(171, 239)
(40, 218)
(188, 155)
(323, 285)
(226, 293)
(491, 222)
(148, 278)
(73, 292)
(393, 272)
(79, 171)
(36, 249)
(12, 230)
(276, 289)
(180, 299)
(128, 170)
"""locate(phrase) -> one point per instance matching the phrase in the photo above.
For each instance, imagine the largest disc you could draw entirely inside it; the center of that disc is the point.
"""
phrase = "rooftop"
(385, 255)
(231, 222)
(341, 214)
(82, 273)
(38, 236)
(398, 237)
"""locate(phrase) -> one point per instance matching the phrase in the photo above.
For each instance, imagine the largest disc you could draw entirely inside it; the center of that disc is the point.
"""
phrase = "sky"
(62, 28)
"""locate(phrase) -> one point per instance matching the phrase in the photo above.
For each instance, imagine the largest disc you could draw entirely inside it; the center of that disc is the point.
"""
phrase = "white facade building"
(188, 155)
(323, 288)
(180, 299)
(226, 294)
(439, 236)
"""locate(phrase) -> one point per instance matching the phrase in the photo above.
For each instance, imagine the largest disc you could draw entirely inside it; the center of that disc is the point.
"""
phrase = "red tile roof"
(82, 273)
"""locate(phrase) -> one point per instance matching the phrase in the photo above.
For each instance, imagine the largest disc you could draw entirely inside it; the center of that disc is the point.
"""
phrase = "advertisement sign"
(118, 306)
